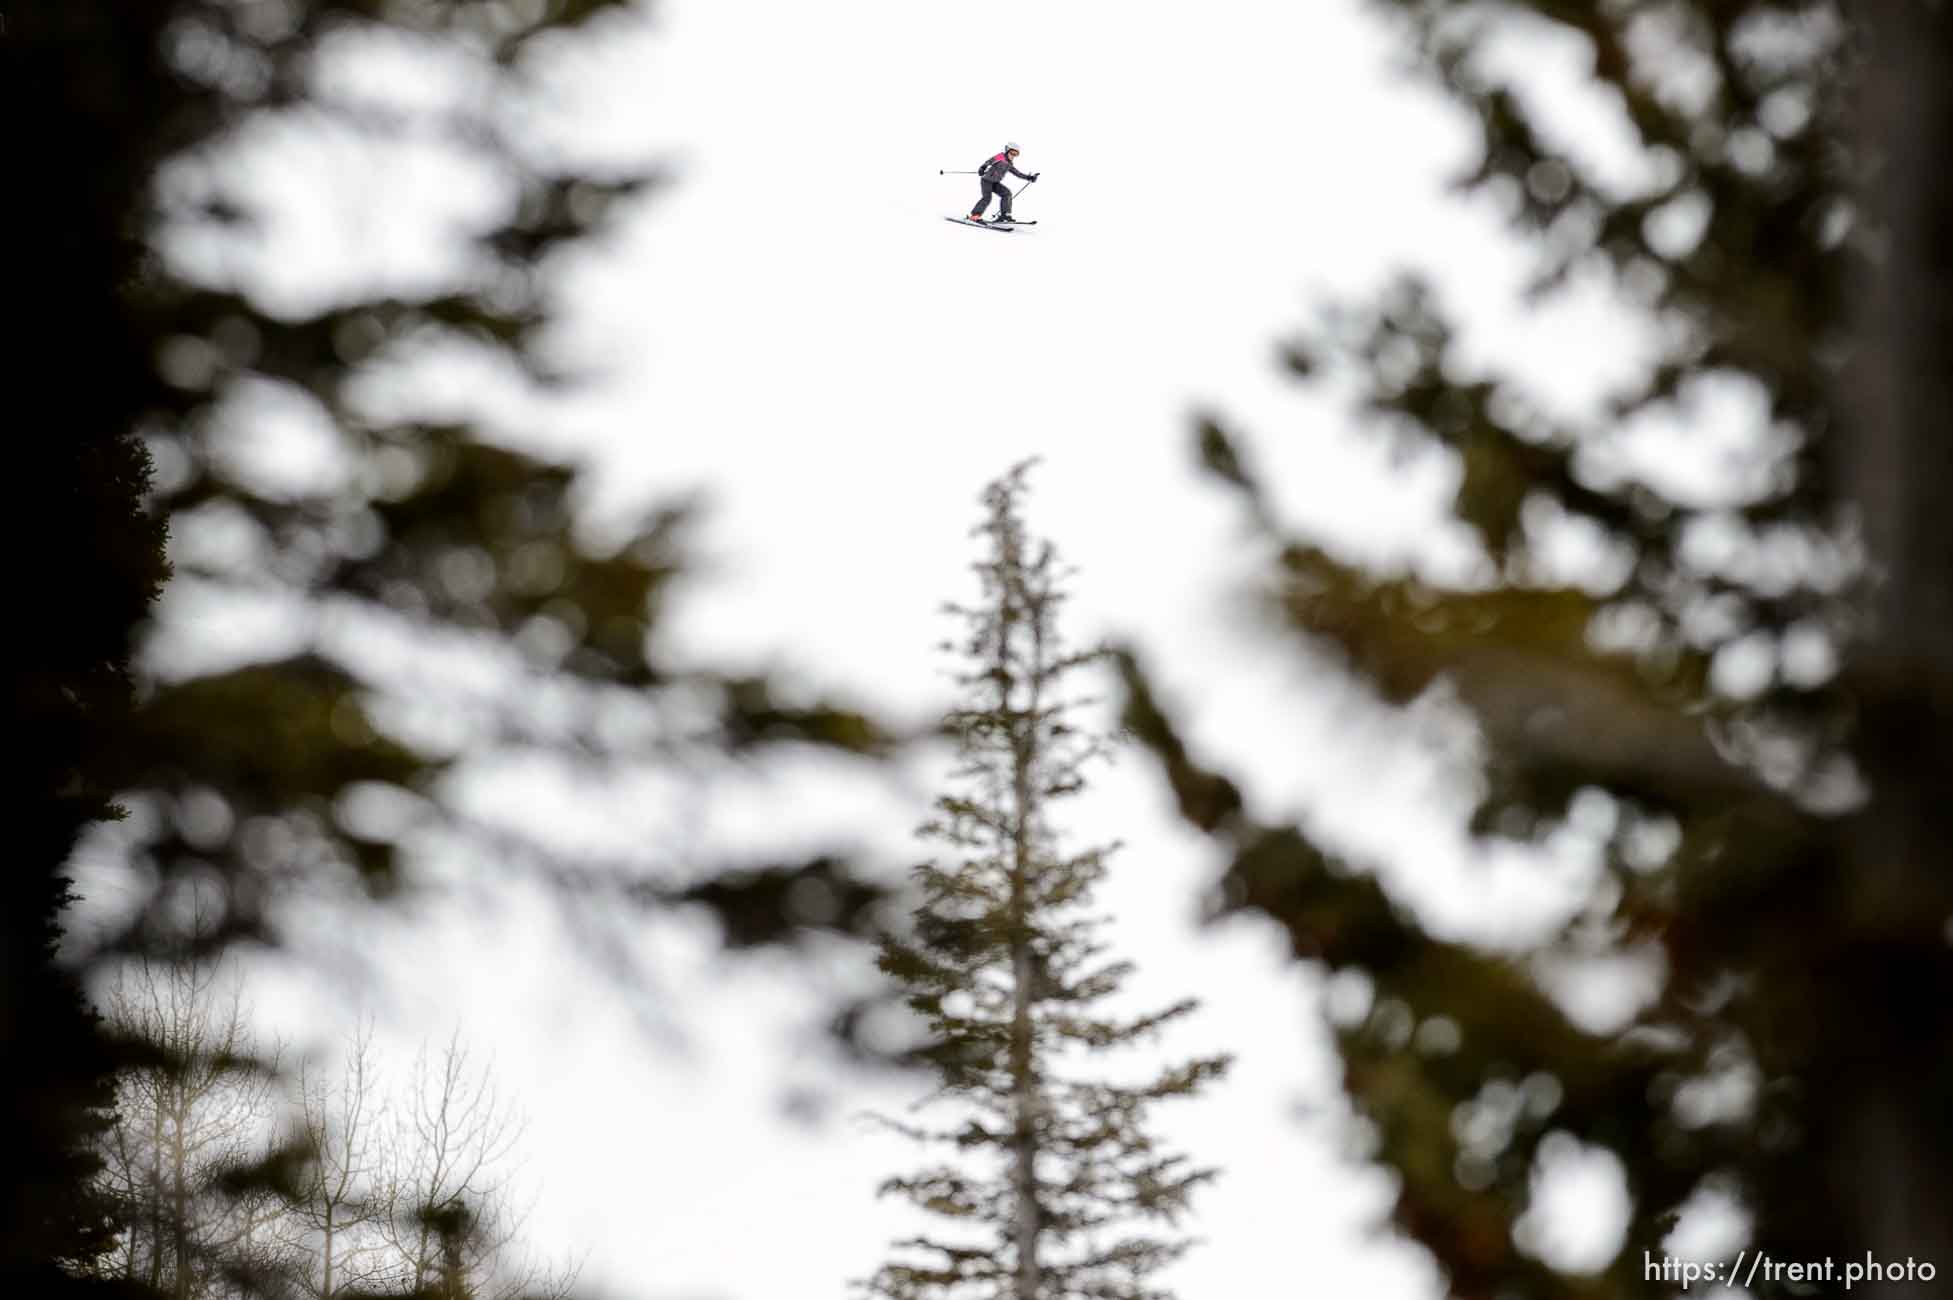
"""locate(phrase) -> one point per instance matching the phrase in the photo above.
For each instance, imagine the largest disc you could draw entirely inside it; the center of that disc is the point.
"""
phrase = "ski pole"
(940, 172)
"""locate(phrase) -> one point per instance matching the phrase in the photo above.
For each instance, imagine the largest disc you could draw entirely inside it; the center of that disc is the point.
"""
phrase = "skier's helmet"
(1012, 148)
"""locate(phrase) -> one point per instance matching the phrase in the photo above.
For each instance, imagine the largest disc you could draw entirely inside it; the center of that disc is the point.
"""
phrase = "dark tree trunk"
(1885, 1157)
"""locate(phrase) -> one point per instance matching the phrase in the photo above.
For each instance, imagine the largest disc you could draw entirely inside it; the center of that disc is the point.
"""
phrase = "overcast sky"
(793, 329)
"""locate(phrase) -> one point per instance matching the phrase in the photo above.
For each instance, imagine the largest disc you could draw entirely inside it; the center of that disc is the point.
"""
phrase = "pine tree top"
(1055, 1182)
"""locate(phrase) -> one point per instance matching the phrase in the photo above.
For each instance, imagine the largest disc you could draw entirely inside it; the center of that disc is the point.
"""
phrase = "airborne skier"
(992, 175)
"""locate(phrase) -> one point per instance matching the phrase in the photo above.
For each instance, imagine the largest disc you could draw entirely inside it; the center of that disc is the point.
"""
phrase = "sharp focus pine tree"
(1055, 1189)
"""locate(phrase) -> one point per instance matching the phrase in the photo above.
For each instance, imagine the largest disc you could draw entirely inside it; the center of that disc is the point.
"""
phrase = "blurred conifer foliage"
(1054, 1186)
(372, 591)
(1749, 704)
(437, 597)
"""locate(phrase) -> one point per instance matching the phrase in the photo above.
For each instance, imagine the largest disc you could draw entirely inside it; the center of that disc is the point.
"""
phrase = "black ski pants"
(1001, 190)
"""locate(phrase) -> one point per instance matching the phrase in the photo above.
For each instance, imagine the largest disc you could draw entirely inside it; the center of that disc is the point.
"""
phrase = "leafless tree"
(411, 1190)
(456, 1219)
(338, 1218)
(407, 1191)
(200, 1106)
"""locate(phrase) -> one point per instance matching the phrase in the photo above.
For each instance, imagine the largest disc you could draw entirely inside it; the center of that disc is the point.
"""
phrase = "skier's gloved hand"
(1035, 175)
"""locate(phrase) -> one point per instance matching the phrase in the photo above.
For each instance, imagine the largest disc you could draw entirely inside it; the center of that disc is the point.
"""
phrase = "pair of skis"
(990, 225)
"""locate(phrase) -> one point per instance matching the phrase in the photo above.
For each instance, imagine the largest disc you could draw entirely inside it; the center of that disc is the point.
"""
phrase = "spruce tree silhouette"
(1057, 1186)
